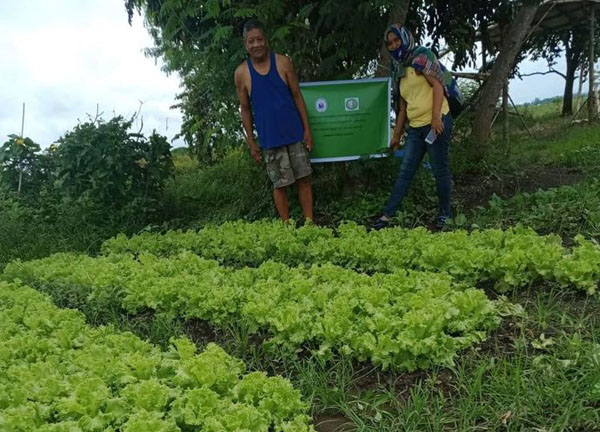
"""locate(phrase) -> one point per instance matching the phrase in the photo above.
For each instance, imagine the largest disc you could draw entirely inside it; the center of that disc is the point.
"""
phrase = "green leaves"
(405, 320)
(105, 163)
(512, 258)
(99, 385)
(21, 163)
(244, 12)
(213, 8)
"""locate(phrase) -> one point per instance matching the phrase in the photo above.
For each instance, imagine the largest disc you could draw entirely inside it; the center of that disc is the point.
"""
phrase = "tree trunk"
(397, 15)
(592, 109)
(488, 97)
(567, 108)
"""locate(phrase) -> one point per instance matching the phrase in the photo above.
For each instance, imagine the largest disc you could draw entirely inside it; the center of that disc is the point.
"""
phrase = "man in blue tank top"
(270, 99)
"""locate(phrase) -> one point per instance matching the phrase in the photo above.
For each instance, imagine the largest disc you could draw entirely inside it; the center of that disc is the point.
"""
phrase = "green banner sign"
(348, 119)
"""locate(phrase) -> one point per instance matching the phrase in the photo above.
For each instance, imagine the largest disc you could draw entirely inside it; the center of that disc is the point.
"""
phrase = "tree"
(18, 162)
(509, 53)
(573, 43)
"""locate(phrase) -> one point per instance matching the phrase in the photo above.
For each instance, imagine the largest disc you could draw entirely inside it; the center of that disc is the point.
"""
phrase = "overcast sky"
(63, 57)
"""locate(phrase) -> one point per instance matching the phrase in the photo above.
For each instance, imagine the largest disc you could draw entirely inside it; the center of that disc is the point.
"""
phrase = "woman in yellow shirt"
(423, 105)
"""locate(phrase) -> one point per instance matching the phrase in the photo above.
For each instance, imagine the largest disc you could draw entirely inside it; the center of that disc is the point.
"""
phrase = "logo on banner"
(321, 105)
(352, 104)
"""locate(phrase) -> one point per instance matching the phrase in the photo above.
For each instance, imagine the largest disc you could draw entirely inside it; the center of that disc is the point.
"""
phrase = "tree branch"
(482, 76)
(549, 71)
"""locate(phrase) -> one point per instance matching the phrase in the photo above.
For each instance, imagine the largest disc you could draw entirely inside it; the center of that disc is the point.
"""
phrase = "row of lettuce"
(512, 258)
(57, 374)
(404, 320)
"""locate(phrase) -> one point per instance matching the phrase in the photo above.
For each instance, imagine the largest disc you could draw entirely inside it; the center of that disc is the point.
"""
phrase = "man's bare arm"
(246, 109)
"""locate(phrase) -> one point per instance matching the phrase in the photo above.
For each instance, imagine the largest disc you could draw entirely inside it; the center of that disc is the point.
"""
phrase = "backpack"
(455, 98)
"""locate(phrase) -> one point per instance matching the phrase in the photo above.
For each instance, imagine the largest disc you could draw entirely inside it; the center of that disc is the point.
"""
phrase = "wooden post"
(580, 88)
(505, 112)
(21, 163)
(591, 92)
(23, 121)
(514, 105)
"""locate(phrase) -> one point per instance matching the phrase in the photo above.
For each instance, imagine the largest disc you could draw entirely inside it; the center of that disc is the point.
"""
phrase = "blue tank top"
(276, 116)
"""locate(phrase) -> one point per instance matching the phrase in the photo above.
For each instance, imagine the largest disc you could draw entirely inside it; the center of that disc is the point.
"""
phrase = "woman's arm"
(438, 99)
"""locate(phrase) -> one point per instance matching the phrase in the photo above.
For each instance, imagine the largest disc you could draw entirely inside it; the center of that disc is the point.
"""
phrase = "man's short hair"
(252, 24)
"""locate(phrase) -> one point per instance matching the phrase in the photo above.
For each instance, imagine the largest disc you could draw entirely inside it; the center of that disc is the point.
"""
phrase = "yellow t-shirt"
(418, 93)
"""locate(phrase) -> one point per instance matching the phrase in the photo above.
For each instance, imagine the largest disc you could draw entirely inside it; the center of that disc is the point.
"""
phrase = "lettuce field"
(247, 322)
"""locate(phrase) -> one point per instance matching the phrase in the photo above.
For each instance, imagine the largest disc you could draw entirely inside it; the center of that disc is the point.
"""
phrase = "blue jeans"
(439, 155)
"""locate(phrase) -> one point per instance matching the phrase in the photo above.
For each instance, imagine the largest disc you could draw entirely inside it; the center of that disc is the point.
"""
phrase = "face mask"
(397, 54)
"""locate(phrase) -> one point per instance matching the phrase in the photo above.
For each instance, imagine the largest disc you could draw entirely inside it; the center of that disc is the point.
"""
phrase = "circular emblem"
(351, 104)
(321, 105)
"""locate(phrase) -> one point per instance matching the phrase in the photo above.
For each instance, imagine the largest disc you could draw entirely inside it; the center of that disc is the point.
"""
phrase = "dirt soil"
(332, 423)
(474, 190)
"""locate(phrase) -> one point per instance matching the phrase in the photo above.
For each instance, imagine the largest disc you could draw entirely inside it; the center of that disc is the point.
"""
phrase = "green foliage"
(236, 188)
(104, 163)
(405, 321)
(57, 374)
(233, 188)
(30, 230)
(513, 258)
(577, 147)
(21, 163)
(99, 180)
(568, 210)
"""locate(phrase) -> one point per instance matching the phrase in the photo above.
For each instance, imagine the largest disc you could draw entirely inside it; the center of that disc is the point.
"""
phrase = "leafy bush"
(22, 167)
(104, 163)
